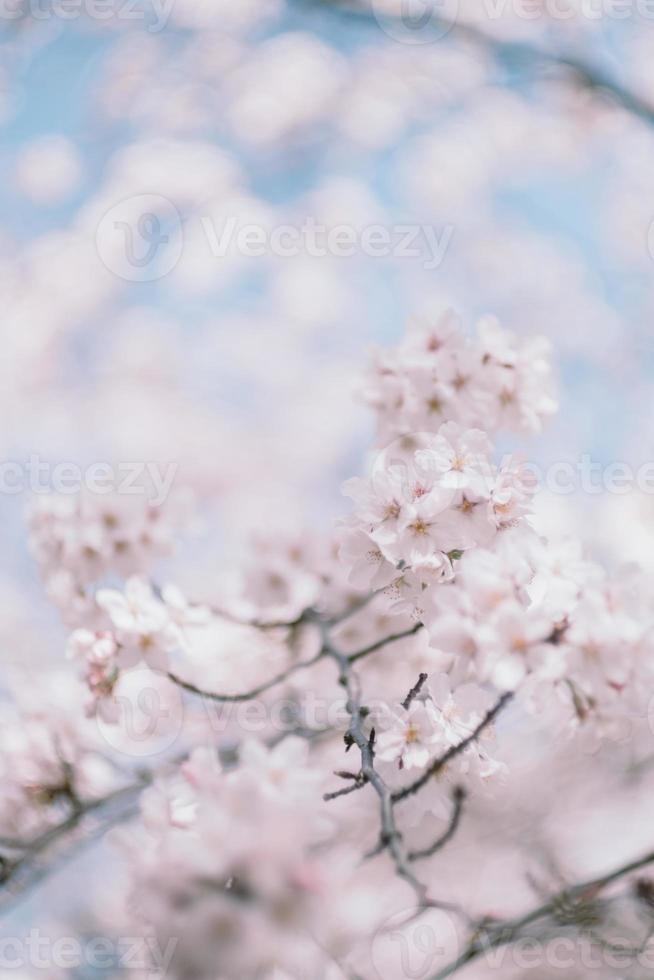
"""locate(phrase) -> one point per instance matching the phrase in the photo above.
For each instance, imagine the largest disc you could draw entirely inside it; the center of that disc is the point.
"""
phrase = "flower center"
(411, 735)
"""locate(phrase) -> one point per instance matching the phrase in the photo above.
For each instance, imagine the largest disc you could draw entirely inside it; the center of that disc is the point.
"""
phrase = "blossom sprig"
(262, 885)
(52, 760)
(78, 540)
(430, 723)
(429, 499)
(491, 381)
(390, 838)
(140, 626)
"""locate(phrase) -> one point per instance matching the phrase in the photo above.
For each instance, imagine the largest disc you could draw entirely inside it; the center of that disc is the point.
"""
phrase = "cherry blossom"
(407, 735)
(490, 382)
(78, 540)
(50, 756)
(142, 623)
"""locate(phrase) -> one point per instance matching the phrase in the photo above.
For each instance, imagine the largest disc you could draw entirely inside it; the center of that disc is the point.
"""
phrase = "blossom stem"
(458, 798)
(373, 647)
(246, 695)
(440, 763)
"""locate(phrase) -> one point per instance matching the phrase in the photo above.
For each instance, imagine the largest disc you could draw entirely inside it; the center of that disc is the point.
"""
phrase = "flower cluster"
(136, 626)
(433, 722)
(430, 498)
(286, 574)
(250, 893)
(50, 757)
(541, 616)
(77, 540)
(438, 375)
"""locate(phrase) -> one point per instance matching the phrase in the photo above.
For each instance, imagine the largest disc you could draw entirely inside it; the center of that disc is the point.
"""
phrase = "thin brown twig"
(21, 873)
(255, 691)
(440, 763)
(458, 798)
(415, 691)
(309, 616)
(378, 644)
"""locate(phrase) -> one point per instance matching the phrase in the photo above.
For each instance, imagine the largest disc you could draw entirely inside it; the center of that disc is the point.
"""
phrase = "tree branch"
(246, 695)
(458, 797)
(512, 54)
(390, 836)
(415, 691)
(508, 931)
(301, 665)
(19, 875)
(440, 763)
(373, 647)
